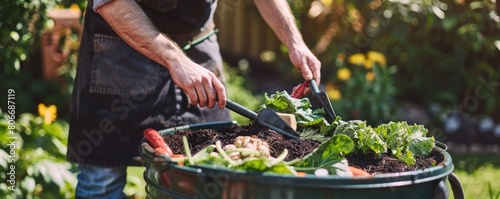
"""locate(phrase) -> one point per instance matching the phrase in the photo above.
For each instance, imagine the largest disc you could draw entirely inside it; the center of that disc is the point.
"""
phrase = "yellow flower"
(343, 74)
(368, 64)
(332, 92)
(48, 113)
(357, 59)
(377, 57)
(370, 76)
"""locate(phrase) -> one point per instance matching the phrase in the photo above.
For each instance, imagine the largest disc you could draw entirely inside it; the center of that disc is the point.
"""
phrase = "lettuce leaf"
(306, 117)
(406, 142)
(328, 155)
(365, 138)
(262, 165)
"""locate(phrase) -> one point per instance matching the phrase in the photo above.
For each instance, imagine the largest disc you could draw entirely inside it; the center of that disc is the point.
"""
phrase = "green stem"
(280, 158)
(305, 169)
(187, 150)
(245, 151)
(222, 153)
(292, 162)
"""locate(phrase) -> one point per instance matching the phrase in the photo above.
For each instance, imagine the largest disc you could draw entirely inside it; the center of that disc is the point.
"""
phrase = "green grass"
(135, 187)
(479, 174)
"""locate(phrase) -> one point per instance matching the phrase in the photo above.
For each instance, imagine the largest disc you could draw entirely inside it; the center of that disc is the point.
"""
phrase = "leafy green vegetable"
(306, 117)
(282, 101)
(275, 165)
(365, 138)
(327, 155)
(406, 142)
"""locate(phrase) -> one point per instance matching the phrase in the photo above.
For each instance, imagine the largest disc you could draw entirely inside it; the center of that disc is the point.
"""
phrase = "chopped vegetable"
(338, 139)
(358, 172)
(156, 141)
(161, 151)
(298, 92)
(301, 108)
(301, 174)
(327, 155)
(321, 172)
(247, 153)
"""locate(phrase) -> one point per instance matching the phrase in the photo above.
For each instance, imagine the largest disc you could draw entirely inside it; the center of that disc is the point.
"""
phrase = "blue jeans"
(101, 182)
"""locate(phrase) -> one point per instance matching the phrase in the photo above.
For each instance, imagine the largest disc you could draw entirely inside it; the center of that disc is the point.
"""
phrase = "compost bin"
(167, 179)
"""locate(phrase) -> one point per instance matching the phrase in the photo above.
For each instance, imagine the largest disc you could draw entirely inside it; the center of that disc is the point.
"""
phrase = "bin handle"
(441, 145)
(456, 186)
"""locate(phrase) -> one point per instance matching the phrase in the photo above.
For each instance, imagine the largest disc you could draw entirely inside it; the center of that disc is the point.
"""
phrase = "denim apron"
(118, 92)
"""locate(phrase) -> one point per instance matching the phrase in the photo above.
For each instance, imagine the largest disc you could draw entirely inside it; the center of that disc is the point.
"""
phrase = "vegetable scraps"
(157, 143)
(301, 108)
(247, 153)
(329, 155)
(404, 141)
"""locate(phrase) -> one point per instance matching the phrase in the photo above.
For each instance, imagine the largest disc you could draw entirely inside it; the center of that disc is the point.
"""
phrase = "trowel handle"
(238, 108)
(314, 87)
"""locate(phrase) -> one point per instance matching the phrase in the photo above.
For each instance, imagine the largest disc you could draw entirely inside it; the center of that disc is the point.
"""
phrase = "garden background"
(430, 62)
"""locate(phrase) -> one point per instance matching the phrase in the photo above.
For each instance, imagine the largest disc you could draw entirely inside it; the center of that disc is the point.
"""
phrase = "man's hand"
(278, 15)
(201, 85)
(134, 27)
(308, 65)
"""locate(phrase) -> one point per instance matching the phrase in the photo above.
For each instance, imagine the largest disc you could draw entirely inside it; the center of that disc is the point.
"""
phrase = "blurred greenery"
(37, 151)
(470, 167)
(23, 24)
(239, 90)
(439, 51)
(362, 87)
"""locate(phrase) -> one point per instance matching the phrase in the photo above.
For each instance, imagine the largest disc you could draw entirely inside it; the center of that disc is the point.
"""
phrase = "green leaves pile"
(301, 108)
(404, 141)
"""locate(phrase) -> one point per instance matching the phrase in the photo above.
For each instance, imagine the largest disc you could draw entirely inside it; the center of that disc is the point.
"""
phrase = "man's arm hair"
(130, 22)
(278, 15)
(132, 25)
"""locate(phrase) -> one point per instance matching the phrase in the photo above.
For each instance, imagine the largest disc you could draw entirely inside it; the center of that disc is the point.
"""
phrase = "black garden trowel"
(321, 98)
(266, 118)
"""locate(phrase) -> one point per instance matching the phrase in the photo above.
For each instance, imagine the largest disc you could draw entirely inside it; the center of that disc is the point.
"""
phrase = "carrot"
(180, 163)
(161, 151)
(156, 141)
(358, 172)
(301, 174)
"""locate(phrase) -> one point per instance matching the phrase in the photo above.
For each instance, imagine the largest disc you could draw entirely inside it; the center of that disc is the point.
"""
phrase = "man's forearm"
(134, 27)
(278, 15)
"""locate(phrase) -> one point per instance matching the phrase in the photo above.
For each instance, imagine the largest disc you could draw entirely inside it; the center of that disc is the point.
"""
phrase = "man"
(133, 74)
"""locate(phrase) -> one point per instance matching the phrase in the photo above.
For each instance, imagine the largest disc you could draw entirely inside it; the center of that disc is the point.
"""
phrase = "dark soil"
(387, 163)
(199, 139)
(297, 148)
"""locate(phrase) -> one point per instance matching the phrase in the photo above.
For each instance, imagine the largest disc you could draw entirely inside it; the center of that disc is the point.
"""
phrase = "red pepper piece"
(298, 91)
